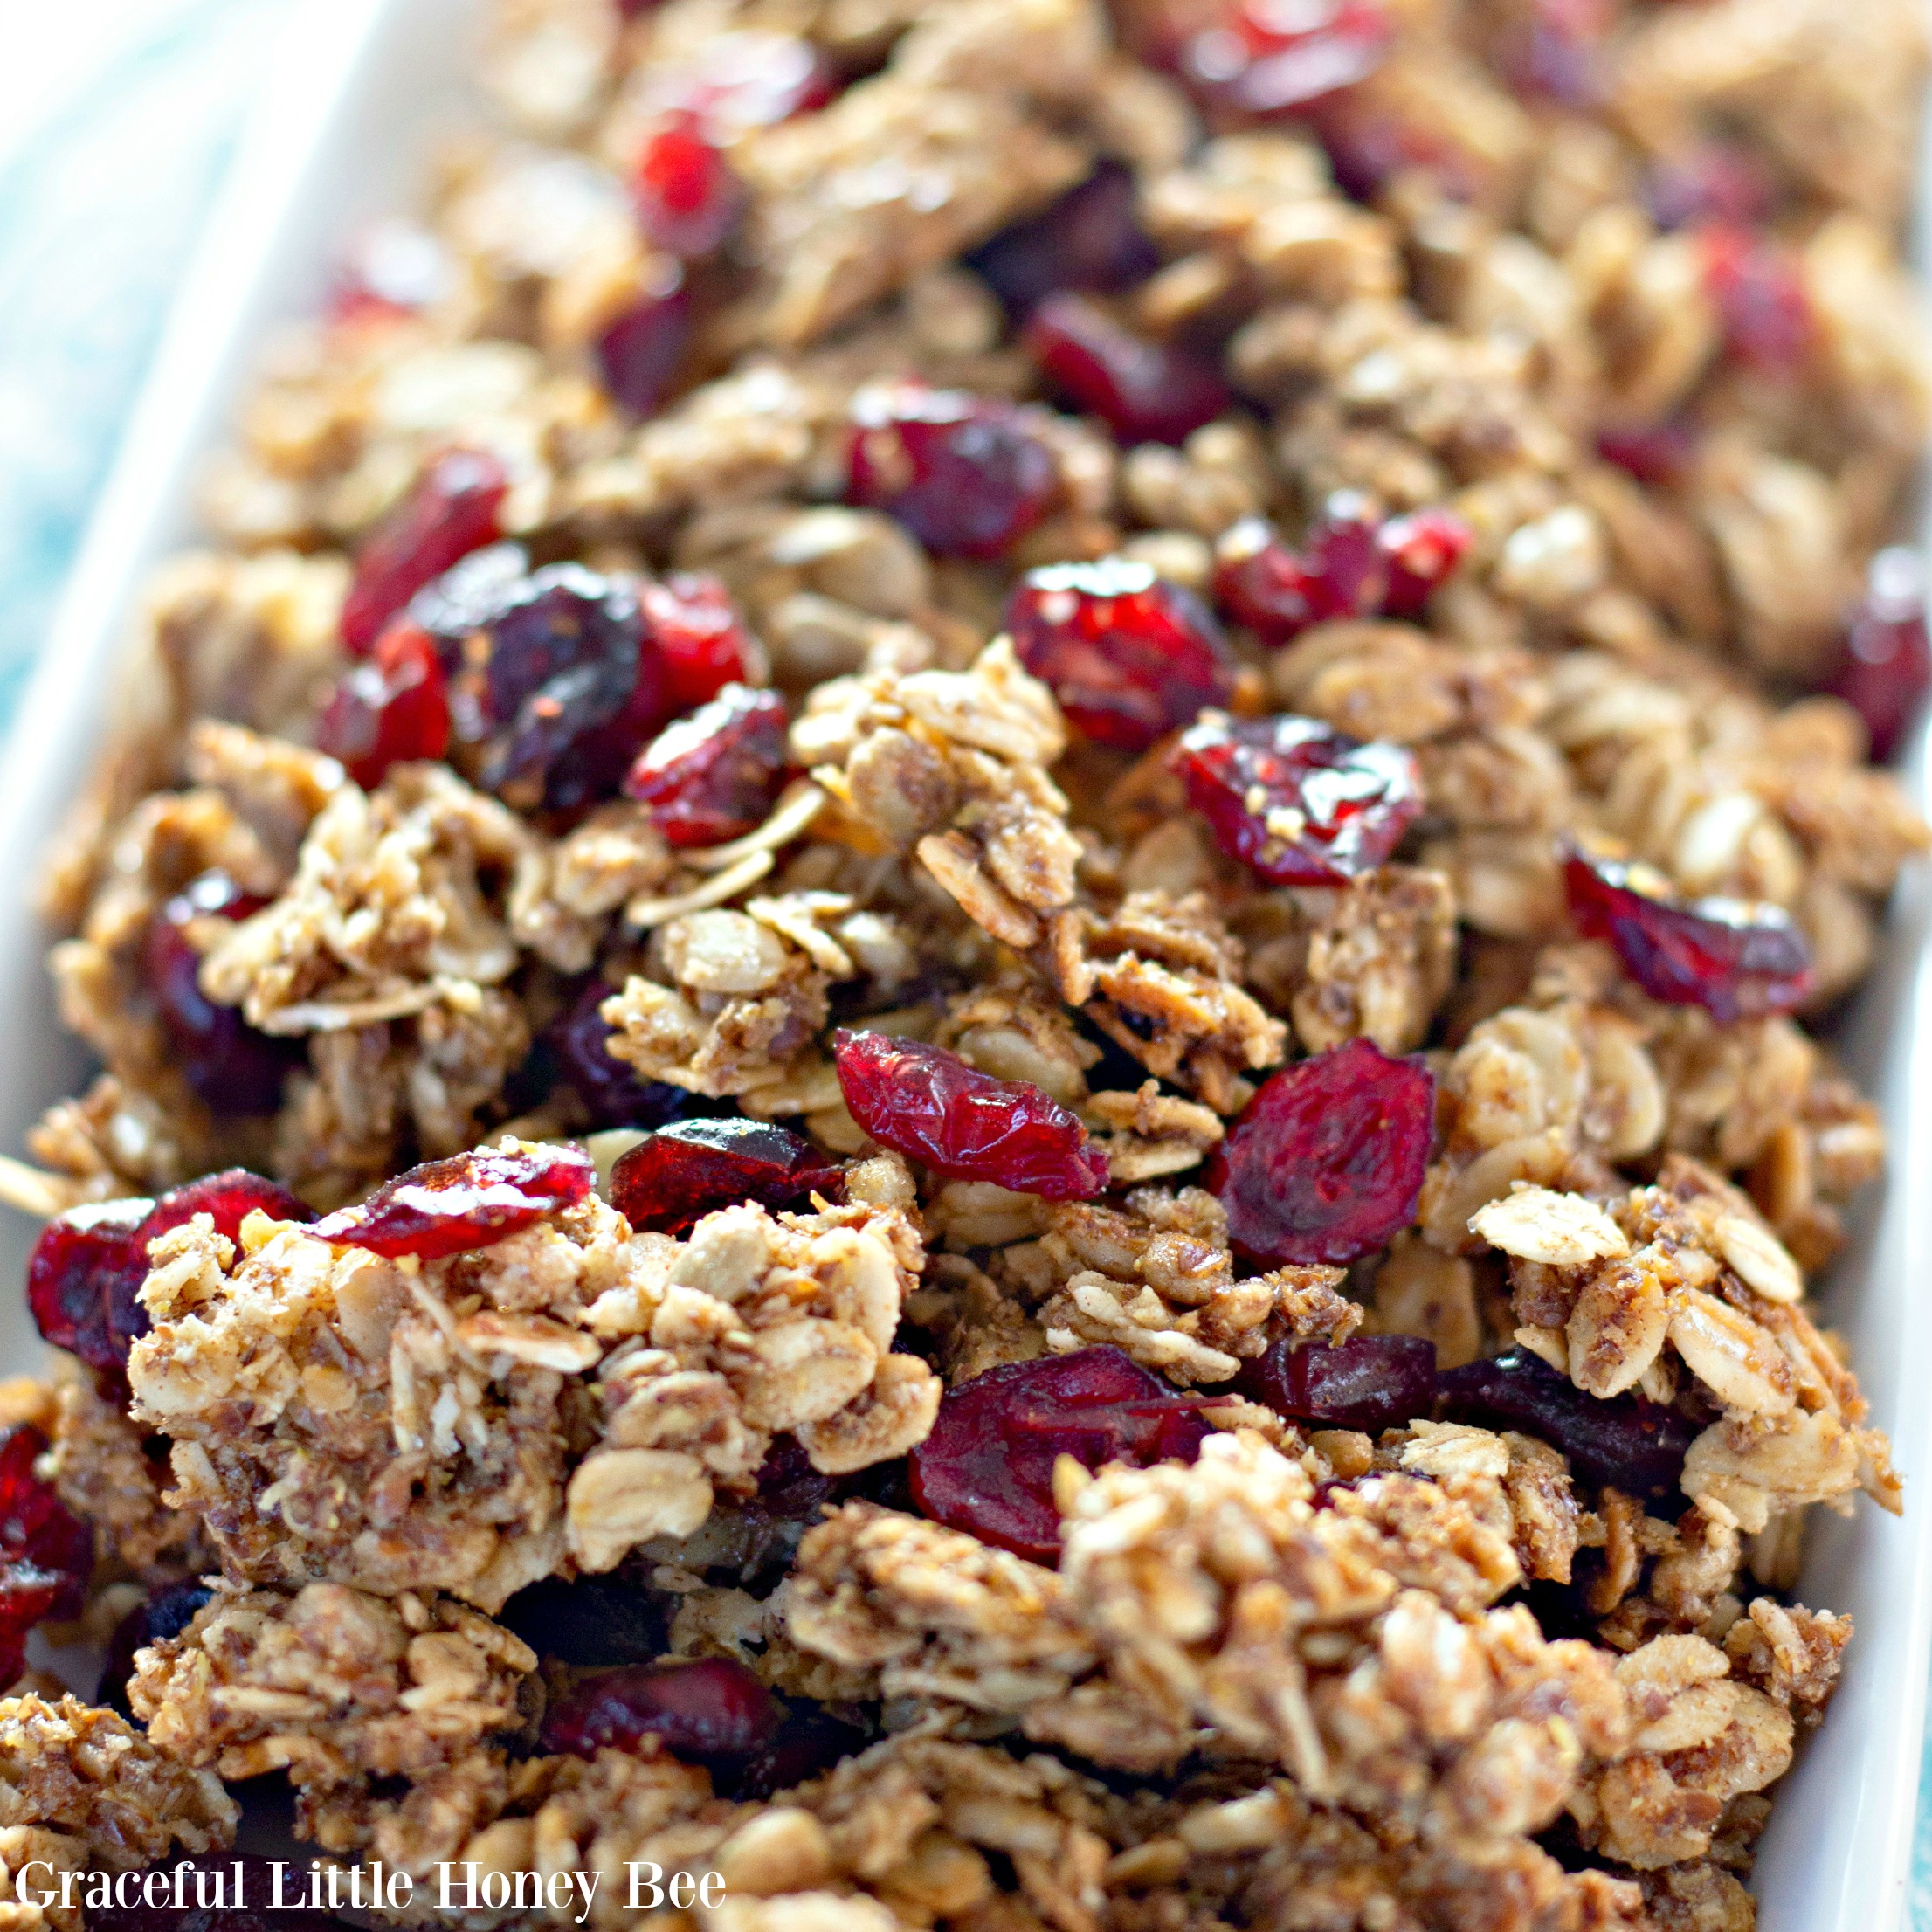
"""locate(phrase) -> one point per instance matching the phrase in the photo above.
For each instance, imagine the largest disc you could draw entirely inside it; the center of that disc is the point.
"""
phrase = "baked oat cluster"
(964, 974)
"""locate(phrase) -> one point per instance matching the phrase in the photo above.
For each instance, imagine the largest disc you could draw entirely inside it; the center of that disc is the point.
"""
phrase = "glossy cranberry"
(1144, 391)
(1660, 454)
(688, 198)
(1886, 667)
(1341, 570)
(714, 776)
(392, 709)
(1295, 802)
(930, 1105)
(395, 268)
(699, 638)
(1767, 318)
(588, 1622)
(609, 1087)
(1714, 181)
(1128, 655)
(215, 1897)
(1637, 1445)
(1089, 239)
(167, 1612)
(454, 508)
(1325, 1162)
(466, 1201)
(711, 1707)
(36, 1531)
(1733, 957)
(88, 1265)
(1421, 551)
(1373, 1382)
(739, 80)
(640, 352)
(806, 1746)
(963, 473)
(236, 1072)
(690, 1169)
(988, 1466)
(1276, 57)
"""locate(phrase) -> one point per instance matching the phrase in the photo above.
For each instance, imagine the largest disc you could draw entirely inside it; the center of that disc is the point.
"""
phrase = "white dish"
(339, 136)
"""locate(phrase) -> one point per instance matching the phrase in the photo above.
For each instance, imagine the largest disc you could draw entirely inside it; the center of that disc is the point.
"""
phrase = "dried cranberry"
(1422, 550)
(167, 1612)
(466, 1201)
(714, 776)
(1372, 1384)
(1144, 391)
(963, 473)
(1300, 804)
(930, 1105)
(1260, 583)
(1660, 454)
(1886, 667)
(608, 1086)
(1274, 56)
(1714, 181)
(588, 1622)
(1766, 313)
(1325, 1162)
(688, 1170)
(36, 1528)
(89, 1263)
(640, 352)
(699, 638)
(394, 269)
(1090, 239)
(988, 1466)
(790, 1489)
(454, 508)
(393, 709)
(235, 1070)
(806, 1746)
(711, 1707)
(1733, 957)
(1636, 1445)
(1128, 655)
(687, 196)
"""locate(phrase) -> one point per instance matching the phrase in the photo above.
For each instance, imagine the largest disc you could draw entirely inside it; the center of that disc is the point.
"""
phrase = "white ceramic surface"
(339, 136)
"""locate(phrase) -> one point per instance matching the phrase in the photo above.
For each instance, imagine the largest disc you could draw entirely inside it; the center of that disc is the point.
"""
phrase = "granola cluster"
(1148, 551)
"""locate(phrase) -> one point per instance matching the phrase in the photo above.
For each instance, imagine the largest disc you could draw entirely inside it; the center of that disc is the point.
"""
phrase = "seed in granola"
(1300, 804)
(466, 1201)
(1762, 304)
(714, 776)
(963, 473)
(87, 1266)
(1276, 57)
(1636, 1445)
(1090, 240)
(1369, 1383)
(1660, 454)
(930, 1105)
(1327, 1161)
(1145, 391)
(988, 1466)
(393, 708)
(687, 196)
(1423, 550)
(166, 1613)
(588, 1622)
(236, 1071)
(1709, 181)
(1886, 667)
(1128, 655)
(710, 1708)
(453, 510)
(670, 1180)
(579, 1037)
(639, 354)
(1734, 958)
(699, 638)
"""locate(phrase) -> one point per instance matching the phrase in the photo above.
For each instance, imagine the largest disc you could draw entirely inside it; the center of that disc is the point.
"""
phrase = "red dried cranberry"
(1144, 391)
(640, 352)
(1325, 1162)
(1300, 804)
(806, 1746)
(466, 1201)
(1090, 239)
(745, 79)
(687, 196)
(394, 269)
(453, 510)
(1373, 1382)
(1886, 667)
(930, 1105)
(165, 1614)
(699, 638)
(588, 1622)
(1761, 299)
(690, 1169)
(1260, 581)
(393, 709)
(89, 1263)
(1733, 957)
(35, 1528)
(1421, 551)
(235, 1070)
(1274, 57)
(988, 1466)
(711, 1707)
(1660, 454)
(714, 776)
(963, 473)
(1715, 181)
(1636, 1445)
(580, 1038)
(1128, 655)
